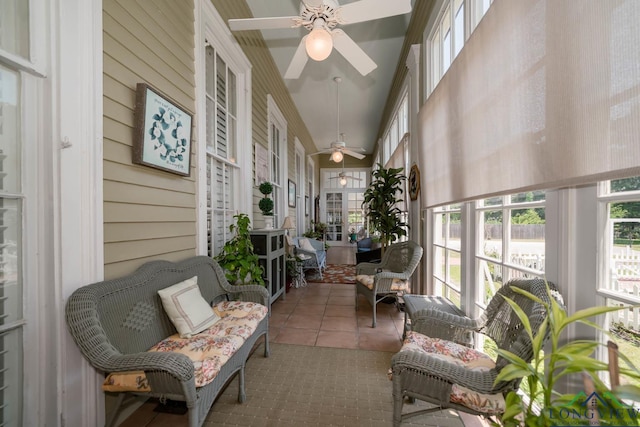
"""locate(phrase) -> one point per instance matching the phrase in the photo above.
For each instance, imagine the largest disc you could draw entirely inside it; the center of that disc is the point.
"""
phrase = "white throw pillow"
(187, 309)
(305, 245)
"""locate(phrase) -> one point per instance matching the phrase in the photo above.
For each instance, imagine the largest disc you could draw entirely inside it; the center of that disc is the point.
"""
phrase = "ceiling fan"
(321, 17)
(339, 148)
(343, 177)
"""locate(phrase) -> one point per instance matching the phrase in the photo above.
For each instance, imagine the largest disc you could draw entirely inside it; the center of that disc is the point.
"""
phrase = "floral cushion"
(398, 285)
(463, 356)
(208, 350)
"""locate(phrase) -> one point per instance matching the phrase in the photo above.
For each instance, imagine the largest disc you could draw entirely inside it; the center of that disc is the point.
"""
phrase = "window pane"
(14, 27)
(494, 201)
(10, 138)
(10, 261)
(454, 268)
(11, 363)
(458, 30)
(624, 326)
(627, 184)
(531, 196)
(491, 279)
(492, 239)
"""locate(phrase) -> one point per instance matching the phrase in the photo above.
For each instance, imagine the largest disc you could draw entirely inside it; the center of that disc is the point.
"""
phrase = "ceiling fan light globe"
(337, 156)
(343, 181)
(319, 44)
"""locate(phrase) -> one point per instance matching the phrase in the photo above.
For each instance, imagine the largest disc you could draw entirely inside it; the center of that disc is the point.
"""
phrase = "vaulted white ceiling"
(361, 99)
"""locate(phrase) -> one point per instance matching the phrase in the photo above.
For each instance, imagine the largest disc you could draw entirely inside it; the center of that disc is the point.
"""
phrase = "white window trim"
(78, 251)
(275, 116)
(211, 26)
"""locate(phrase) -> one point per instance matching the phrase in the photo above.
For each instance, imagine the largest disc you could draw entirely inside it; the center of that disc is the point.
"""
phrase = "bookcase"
(269, 245)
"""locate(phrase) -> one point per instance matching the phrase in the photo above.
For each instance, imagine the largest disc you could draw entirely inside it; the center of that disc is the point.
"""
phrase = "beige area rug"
(317, 386)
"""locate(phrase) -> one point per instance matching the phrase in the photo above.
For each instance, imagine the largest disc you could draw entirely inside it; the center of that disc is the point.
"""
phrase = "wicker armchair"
(448, 374)
(390, 277)
(315, 255)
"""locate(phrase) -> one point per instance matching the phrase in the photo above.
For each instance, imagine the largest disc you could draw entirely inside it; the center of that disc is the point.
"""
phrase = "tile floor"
(324, 315)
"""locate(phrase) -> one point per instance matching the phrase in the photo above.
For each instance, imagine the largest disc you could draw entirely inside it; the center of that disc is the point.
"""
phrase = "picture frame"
(162, 137)
(292, 194)
(414, 182)
(306, 205)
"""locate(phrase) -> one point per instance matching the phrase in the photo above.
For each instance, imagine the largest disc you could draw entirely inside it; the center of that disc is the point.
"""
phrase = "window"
(621, 262)
(447, 229)
(277, 152)
(447, 36)
(399, 126)
(222, 169)
(510, 239)
(446, 40)
(15, 37)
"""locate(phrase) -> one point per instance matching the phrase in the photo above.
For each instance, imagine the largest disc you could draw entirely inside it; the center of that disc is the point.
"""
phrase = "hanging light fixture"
(343, 181)
(337, 156)
(319, 43)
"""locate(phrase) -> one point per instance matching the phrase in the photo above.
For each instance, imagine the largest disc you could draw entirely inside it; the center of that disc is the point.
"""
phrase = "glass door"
(334, 215)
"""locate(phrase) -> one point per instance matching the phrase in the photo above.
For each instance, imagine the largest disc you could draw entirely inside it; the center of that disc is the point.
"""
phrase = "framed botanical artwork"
(292, 194)
(163, 132)
(414, 182)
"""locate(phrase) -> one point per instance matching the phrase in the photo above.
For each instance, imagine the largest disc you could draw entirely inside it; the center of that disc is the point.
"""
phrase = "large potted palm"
(380, 203)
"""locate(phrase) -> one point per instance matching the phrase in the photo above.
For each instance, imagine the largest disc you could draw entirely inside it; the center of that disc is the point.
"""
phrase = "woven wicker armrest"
(367, 268)
(176, 364)
(251, 293)
(480, 381)
(440, 318)
(391, 275)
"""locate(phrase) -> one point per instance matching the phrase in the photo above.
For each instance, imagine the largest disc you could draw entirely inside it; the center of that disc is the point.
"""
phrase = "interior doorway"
(341, 205)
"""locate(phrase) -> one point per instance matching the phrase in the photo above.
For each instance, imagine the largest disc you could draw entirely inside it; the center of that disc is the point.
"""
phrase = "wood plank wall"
(148, 214)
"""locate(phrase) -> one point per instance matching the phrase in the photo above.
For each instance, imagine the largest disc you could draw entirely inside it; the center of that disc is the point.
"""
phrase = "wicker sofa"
(121, 327)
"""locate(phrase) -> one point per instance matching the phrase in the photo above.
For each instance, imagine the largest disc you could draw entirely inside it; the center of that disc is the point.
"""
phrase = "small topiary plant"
(266, 204)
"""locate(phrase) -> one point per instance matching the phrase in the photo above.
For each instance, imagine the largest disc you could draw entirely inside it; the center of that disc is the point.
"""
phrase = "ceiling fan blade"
(320, 152)
(352, 52)
(314, 3)
(298, 61)
(353, 154)
(368, 10)
(262, 23)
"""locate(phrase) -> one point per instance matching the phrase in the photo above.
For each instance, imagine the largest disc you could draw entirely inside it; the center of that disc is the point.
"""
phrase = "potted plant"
(541, 376)
(266, 203)
(380, 204)
(237, 258)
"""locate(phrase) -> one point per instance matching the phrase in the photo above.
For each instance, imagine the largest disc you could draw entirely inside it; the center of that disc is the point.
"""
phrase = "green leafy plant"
(237, 258)
(266, 203)
(547, 368)
(380, 204)
(317, 231)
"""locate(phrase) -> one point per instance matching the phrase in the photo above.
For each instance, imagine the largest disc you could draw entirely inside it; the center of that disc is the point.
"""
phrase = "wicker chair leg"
(398, 401)
(193, 417)
(111, 418)
(374, 305)
(241, 394)
(267, 349)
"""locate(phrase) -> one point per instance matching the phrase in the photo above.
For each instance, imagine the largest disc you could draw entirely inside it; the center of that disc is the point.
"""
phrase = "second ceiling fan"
(321, 17)
(339, 148)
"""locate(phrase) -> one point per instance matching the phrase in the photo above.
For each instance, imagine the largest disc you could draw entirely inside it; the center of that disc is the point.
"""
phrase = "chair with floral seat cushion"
(390, 277)
(451, 375)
